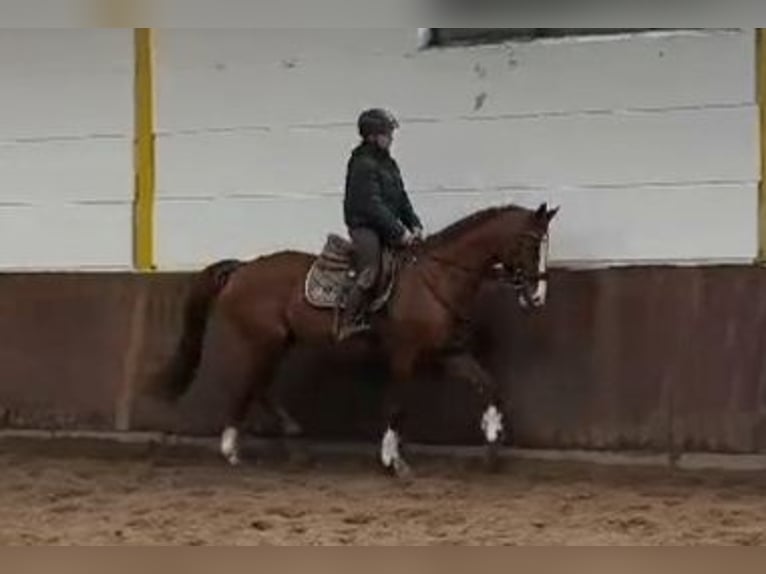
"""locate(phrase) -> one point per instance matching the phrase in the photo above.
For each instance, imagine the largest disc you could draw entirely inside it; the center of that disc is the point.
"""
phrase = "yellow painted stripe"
(143, 218)
(761, 87)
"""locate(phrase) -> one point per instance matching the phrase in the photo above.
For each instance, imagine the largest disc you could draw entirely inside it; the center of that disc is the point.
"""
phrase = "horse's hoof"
(232, 458)
(293, 430)
(398, 470)
(402, 470)
(493, 461)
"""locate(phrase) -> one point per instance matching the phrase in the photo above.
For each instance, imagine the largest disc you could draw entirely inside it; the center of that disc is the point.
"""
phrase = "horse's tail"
(179, 373)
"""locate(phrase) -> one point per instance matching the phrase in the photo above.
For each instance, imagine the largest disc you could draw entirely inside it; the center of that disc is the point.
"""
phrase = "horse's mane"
(468, 223)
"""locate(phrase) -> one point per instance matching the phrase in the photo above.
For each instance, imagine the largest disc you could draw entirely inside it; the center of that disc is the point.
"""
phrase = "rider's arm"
(409, 217)
(406, 211)
(367, 199)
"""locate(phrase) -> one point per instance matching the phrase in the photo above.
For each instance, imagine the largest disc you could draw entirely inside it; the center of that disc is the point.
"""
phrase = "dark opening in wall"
(443, 37)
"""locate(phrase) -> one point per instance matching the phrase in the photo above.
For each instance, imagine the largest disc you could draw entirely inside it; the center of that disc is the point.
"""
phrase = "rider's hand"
(407, 238)
(418, 234)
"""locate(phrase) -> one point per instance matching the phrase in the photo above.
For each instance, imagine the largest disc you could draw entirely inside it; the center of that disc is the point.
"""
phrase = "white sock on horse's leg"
(230, 445)
(389, 448)
(492, 424)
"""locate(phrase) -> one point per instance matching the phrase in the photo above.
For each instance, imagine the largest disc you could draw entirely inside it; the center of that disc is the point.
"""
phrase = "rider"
(377, 210)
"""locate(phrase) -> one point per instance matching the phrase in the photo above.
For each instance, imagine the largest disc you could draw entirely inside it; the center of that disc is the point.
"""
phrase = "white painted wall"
(66, 165)
(649, 143)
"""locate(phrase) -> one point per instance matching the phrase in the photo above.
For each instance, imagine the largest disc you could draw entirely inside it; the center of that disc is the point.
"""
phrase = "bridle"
(520, 278)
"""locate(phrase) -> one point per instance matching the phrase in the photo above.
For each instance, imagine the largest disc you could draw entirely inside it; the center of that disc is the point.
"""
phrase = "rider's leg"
(367, 252)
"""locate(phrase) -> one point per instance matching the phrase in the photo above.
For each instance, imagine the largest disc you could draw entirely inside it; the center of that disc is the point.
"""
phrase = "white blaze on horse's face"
(541, 293)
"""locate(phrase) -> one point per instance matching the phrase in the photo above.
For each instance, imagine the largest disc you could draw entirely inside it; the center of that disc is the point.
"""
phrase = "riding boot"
(350, 316)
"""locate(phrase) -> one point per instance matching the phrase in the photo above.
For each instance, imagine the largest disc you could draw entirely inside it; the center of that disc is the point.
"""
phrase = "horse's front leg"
(402, 364)
(492, 423)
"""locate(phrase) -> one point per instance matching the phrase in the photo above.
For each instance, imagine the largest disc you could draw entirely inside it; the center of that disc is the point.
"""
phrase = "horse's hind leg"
(289, 429)
(264, 364)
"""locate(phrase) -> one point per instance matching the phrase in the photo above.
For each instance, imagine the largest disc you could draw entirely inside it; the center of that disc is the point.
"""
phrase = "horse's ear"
(542, 211)
(552, 213)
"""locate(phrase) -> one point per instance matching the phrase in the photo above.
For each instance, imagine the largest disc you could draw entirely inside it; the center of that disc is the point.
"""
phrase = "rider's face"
(384, 141)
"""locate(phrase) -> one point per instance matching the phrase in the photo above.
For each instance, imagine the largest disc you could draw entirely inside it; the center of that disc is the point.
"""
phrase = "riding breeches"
(367, 254)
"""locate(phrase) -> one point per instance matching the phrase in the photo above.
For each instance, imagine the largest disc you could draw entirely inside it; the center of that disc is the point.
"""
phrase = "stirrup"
(347, 331)
(346, 327)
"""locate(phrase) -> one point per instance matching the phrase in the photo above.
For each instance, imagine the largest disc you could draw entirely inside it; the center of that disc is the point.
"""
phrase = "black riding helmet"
(376, 121)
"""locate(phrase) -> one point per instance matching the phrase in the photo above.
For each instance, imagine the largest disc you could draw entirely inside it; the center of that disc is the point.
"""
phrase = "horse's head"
(511, 240)
(525, 261)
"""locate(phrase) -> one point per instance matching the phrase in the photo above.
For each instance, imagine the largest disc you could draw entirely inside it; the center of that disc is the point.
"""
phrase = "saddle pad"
(331, 274)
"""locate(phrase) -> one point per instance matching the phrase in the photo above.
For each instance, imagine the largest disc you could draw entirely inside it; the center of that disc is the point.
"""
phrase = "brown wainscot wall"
(650, 358)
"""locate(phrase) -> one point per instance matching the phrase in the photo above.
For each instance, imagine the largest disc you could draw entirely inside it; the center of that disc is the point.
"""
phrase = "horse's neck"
(475, 250)
(460, 266)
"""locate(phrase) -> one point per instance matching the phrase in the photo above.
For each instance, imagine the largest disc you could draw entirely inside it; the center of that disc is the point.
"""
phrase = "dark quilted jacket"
(375, 195)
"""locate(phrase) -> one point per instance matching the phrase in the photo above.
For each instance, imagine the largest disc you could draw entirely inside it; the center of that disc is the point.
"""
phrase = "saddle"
(332, 274)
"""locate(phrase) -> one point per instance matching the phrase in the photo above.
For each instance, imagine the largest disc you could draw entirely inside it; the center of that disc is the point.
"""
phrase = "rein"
(470, 271)
(450, 264)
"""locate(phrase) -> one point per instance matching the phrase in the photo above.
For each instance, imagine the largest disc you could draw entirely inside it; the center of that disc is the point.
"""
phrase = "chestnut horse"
(439, 278)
